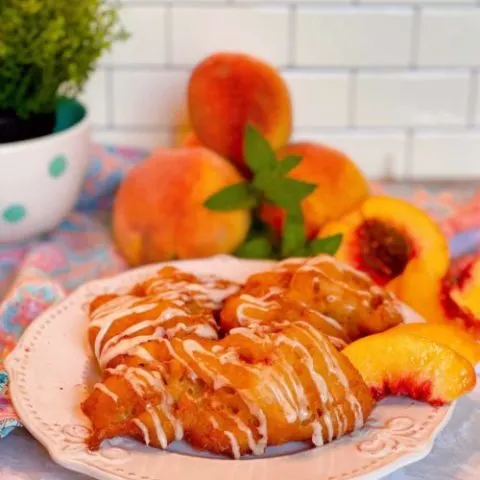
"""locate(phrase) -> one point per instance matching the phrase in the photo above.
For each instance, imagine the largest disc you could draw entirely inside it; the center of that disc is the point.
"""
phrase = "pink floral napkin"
(36, 274)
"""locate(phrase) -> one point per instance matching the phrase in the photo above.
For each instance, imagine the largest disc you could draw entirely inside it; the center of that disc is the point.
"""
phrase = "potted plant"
(48, 49)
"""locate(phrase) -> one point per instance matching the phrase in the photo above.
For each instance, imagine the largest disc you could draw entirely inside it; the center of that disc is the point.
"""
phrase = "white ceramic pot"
(40, 181)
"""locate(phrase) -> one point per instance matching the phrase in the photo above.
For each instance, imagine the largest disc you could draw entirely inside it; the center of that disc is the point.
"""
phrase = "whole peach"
(188, 139)
(228, 90)
(159, 214)
(341, 186)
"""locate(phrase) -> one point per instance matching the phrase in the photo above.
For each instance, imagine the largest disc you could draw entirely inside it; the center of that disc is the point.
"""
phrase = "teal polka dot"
(57, 166)
(14, 213)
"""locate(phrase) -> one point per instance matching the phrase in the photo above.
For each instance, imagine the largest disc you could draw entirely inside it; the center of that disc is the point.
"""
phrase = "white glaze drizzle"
(281, 392)
(176, 424)
(202, 330)
(103, 388)
(307, 360)
(282, 380)
(233, 444)
(159, 431)
(143, 354)
(299, 392)
(104, 317)
(248, 302)
(142, 427)
(255, 447)
(329, 425)
(342, 420)
(317, 434)
(335, 368)
(124, 346)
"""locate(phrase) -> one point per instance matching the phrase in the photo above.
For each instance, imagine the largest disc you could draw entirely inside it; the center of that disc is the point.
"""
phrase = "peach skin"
(341, 186)
(397, 363)
(189, 139)
(228, 90)
(184, 136)
(158, 211)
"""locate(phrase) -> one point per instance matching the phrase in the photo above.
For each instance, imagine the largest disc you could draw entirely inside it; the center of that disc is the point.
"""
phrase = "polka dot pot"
(40, 179)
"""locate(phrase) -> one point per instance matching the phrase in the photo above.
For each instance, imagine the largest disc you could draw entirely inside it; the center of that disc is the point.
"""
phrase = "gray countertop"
(455, 455)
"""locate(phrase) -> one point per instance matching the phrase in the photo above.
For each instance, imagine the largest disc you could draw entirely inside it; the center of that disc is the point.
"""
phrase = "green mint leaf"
(299, 189)
(293, 238)
(259, 154)
(328, 245)
(288, 163)
(233, 197)
(287, 192)
(256, 247)
(263, 179)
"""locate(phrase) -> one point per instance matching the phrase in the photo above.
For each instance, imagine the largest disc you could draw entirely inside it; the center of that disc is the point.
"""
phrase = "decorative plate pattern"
(51, 371)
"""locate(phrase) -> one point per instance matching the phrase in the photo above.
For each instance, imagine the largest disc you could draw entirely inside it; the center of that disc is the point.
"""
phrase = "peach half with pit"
(387, 238)
(451, 299)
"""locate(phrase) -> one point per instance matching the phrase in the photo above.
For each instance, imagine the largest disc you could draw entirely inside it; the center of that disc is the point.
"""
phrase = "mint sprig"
(233, 197)
(271, 184)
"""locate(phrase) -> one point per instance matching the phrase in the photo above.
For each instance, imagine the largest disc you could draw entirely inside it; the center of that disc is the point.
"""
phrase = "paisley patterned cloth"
(36, 274)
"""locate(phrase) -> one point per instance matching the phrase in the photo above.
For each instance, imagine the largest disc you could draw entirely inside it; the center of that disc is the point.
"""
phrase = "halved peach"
(449, 335)
(384, 235)
(447, 299)
(396, 363)
(466, 289)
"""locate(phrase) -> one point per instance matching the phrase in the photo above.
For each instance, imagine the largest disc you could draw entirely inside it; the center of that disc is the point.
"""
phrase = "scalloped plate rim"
(14, 358)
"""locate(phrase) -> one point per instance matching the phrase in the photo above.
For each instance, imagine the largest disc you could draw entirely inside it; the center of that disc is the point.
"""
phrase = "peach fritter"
(334, 298)
(234, 369)
(234, 396)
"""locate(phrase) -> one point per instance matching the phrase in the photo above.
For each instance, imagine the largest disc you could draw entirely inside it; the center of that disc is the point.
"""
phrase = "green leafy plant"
(49, 48)
(271, 184)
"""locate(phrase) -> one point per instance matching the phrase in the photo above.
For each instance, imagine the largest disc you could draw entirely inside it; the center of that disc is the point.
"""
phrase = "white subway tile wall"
(393, 83)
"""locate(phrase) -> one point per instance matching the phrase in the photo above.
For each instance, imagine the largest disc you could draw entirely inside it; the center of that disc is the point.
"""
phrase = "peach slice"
(228, 90)
(449, 335)
(384, 236)
(398, 363)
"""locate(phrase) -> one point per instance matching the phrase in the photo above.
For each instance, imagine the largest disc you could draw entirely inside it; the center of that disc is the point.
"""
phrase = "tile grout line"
(409, 150)
(320, 69)
(307, 3)
(415, 38)
(352, 98)
(473, 97)
(168, 35)
(323, 129)
(413, 63)
(292, 35)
